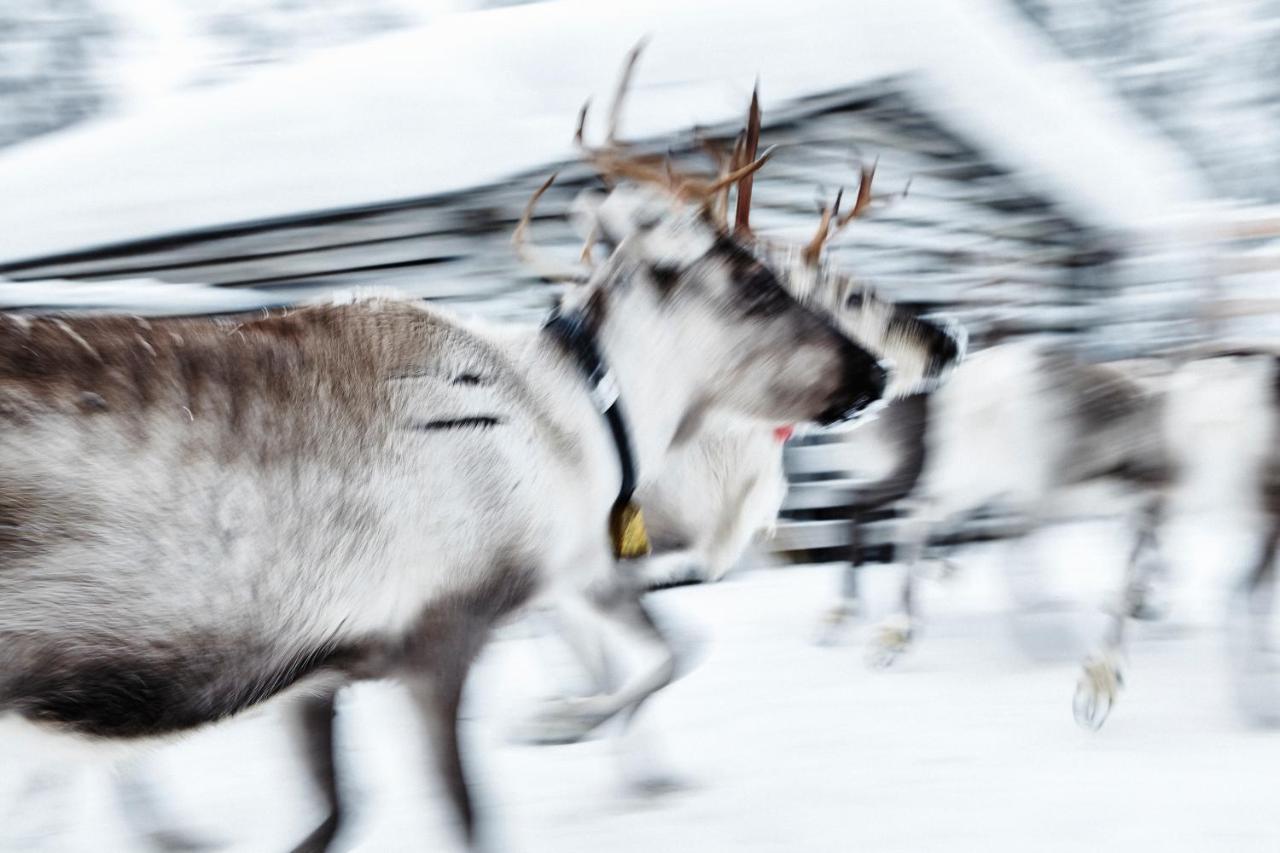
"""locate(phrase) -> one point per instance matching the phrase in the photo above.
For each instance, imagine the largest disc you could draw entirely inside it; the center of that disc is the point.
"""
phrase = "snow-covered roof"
(134, 296)
(475, 97)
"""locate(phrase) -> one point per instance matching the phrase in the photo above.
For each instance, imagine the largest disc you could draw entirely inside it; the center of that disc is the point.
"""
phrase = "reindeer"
(719, 487)
(1076, 425)
(1020, 425)
(719, 490)
(725, 476)
(716, 492)
(198, 516)
(1219, 424)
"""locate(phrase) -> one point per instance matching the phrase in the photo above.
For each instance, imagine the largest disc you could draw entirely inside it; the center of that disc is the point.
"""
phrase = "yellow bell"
(626, 529)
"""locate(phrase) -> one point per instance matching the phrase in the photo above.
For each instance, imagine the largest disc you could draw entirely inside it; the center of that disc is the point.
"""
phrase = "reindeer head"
(774, 358)
(922, 351)
(695, 288)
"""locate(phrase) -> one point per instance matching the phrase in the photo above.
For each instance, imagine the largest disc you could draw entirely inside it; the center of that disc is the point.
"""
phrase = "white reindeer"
(1025, 426)
(1020, 425)
(714, 496)
(718, 491)
(714, 493)
(1220, 425)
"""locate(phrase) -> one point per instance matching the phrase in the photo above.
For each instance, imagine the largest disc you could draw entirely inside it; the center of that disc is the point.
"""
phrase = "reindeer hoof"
(321, 839)
(891, 641)
(177, 843)
(833, 625)
(939, 568)
(1256, 673)
(561, 721)
(657, 785)
(1097, 691)
(1148, 611)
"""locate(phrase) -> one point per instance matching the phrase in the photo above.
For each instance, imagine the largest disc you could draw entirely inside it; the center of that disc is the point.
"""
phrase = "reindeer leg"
(1141, 599)
(313, 726)
(438, 697)
(639, 756)
(1260, 585)
(673, 568)
(837, 618)
(435, 666)
(40, 800)
(1041, 620)
(1256, 670)
(144, 813)
(589, 650)
(1101, 680)
(584, 640)
(617, 606)
(895, 634)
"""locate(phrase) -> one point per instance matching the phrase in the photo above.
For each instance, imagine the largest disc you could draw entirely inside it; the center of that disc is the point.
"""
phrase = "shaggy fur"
(200, 515)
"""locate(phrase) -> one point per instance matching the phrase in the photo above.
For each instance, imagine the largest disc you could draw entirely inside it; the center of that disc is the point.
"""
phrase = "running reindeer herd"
(198, 516)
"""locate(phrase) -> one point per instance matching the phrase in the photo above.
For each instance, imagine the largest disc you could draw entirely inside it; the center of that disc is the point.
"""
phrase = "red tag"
(782, 433)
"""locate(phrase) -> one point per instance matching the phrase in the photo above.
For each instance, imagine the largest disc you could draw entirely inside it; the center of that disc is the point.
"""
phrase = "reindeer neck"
(650, 372)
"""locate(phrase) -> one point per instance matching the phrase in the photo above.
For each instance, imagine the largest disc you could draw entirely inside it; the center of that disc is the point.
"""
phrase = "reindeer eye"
(665, 276)
(647, 220)
(761, 293)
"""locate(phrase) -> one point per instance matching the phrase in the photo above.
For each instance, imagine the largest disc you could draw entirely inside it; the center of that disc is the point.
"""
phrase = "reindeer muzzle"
(863, 383)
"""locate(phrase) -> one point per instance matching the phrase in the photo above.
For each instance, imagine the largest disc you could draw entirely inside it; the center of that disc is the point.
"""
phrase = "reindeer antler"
(613, 162)
(546, 268)
(744, 152)
(813, 249)
(720, 206)
(620, 92)
(750, 142)
(833, 222)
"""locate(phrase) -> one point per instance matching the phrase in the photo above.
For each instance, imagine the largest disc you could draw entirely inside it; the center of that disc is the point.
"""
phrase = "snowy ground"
(781, 745)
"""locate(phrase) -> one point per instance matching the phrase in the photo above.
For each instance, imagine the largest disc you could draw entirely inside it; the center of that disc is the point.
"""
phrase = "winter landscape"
(1023, 601)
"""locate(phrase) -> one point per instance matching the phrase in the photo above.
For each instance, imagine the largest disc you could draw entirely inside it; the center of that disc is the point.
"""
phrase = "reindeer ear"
(586, 215)
(625, 211)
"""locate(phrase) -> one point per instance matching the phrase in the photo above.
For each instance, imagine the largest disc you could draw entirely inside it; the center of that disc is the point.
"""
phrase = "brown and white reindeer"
(718, 485)
(199, 516)
(716, 491)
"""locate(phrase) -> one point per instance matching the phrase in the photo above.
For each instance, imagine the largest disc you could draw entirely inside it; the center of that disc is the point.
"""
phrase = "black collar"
(575, 334)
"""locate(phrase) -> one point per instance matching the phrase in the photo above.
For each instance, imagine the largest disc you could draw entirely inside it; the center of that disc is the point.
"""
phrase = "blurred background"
(1105, 173)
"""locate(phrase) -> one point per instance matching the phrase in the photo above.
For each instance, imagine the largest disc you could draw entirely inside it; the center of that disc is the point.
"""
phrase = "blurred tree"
(1205, 73)
(60, 60)
(254, 32)
(49, 53)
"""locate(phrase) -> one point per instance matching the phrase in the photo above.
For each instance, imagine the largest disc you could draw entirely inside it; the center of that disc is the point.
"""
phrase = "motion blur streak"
(1025, 603)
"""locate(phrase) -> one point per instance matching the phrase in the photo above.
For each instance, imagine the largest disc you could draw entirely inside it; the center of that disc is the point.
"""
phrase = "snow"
(475, 97)
(781, 745)
(165, 46)
(160, 52)
(134, 296)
